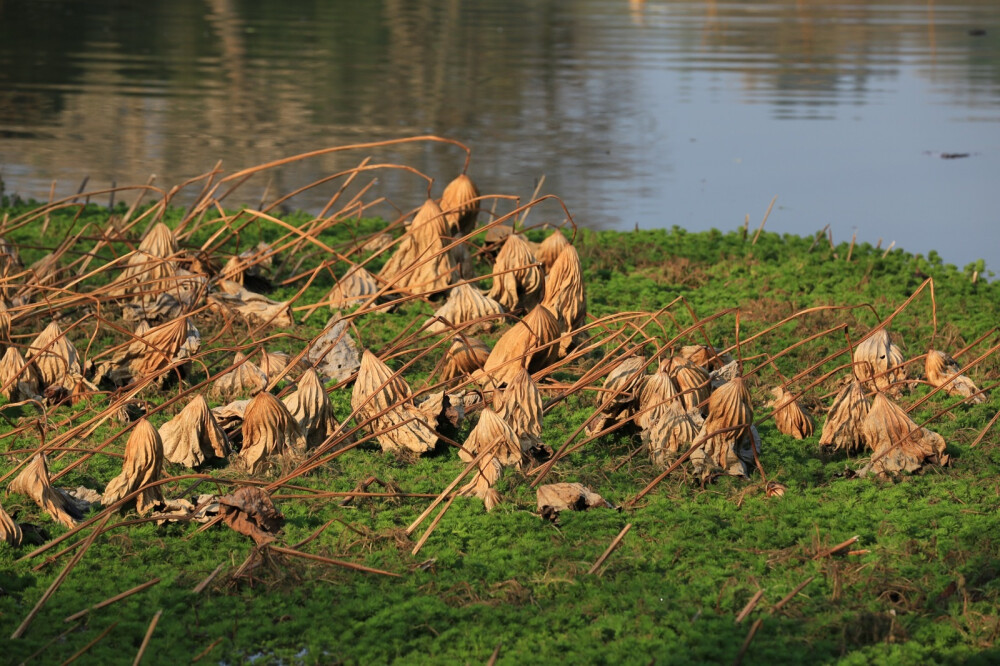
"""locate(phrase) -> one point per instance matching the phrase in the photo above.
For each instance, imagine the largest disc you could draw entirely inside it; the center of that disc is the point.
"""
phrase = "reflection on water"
(636, 113)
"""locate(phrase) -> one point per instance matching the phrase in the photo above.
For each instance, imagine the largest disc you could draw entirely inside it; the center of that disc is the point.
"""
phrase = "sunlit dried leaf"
(18, 381)
(485, 476)
(255, 308)
(310, 406)
(529, 343)
(465, 356)
(244, 379)
(33, 481)
(731, 451)
(459, 205)
(152, 350)
(492, 434)
(193, 436)
(879, 364)
(693, 383)
(466, 304)
(376, 243)
(520, 405)
(230, 416)
(142, 465)
(250, 511)
(671, 434)
(657, 399)
(356, 287)
(383, 403)
(152, 266)
(10, 532)
(420, 264)
(843, 427)
(943, 370)
(54, 356)
(269, 431)
(775, 489)
(789, 416)
(565, 295)
(550, 249)
(254, 263)
(627, 380)
(705, 357)
(518, 282)
(897, 443)
(555, 497)
(273, 364)
(335, 354)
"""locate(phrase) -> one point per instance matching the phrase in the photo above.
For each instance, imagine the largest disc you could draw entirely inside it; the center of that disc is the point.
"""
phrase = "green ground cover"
(924, 586)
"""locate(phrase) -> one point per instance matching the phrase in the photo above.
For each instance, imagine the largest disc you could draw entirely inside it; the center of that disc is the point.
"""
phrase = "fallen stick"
(749, 607)
(434, 523)
(79, 653)
(830, 551)
(211, 646)
(200, 587)
(607, 553)
(328, 560)
(760, 621)
(111, 600)
(147, 637)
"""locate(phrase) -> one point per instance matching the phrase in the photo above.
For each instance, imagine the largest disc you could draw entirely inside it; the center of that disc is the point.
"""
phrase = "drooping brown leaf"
(269, 431)
(518, 281)
(879, 364)
(143, 464)
(33, 481)
(253, 264)
(493, 434)
(704, 356)
(527, 344)
(256, 308)
(789, 416)
(193, 436)
(10, 532)
(152, 266)
(272, 364)
(520, 405)
(487, 473)
(565, 295)
(555, 497)
(843, 427)
(897, 443)
(152, 350)
(459, 205)
(550, 249)
(420, 264)
(466, 304)
(244, 379)
(383, 402)
(465, 356)
(250, 511)
(671, 434)
(732, 451)
(18, 381)
(356, 287)
(54, 356)
(693, 383)
(335, 354)
(230, 417)
(942, 369)
(310, 406)
(657, 399)
(627, 379)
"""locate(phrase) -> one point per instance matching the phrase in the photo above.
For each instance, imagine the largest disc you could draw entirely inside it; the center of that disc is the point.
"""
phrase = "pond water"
(648, 114)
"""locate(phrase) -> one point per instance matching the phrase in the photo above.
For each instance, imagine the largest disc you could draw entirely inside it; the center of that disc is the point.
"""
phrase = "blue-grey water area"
(875, 118)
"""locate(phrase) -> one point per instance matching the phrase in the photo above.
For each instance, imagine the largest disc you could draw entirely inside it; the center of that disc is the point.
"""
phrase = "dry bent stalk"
(268, 431)
(879, 363)
(143, 465)
(843, 427)
(244, 379)
(731, 452)
(465, 304)
(520, 288)
(357, 286)
(465, 356)
(943, 369)
(520, 405)
(10, 532)
(256, 308)
(529, 343)
(898, 444)
(550, 249)
(33, 481)
(310, 406)
(17, 380)
(55, 357)
(193, 436)
(789, 416)
(382, 402)
(458, 201)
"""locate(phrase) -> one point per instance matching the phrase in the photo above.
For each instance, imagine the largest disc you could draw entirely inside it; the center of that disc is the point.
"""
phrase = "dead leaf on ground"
(250, 511)
(556, 497)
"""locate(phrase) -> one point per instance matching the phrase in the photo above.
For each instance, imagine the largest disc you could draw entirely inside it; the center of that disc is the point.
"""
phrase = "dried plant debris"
(273, 365)
(879, 364)
(142, 465)
(556, 497)
(151, 352)
(250, 511)
(251, 265)
(10, 532)
(620, 396)
(518, 281)
(671, 434)
(565, 295)
(310, 406)
(458, 201)
(658, 399)
(486, 474)
(550, 249)
(520, 405)
(194, 436)
(383, 404)
(943, 370)
(843, 428)
(356, 287)
(334, 354)
(269, 433)
(152, 266)
(33, 481)
(245, 378)
(465, 356)
(897, 443)
(230, 417)
(466, 305)
(492, 434)
(729, 440)
(421, 264)
(693, 383)
(789, 416)
(55, 357)
(527, 344)
(440, 407)
(256, 308)
(705, 356)
(18, 381)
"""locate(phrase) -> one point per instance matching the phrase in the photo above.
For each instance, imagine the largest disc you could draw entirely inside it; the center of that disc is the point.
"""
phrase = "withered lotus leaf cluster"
(310, 406)
(789, 416)
(565, 295)
(897, 443)
(18, 381)
(55, 357)
(620, 395)
(143, 465)
(34, 482)
(520, 405)
(843, 427)
(942, 370)
(152, 266)
(467, 309)
(152, 351)
(383, 401)
(492, 435)
(194, 436)
(880, 364)
(693, 383)
(728, 438)
(269, 433)
(518, 281)
(667, 427)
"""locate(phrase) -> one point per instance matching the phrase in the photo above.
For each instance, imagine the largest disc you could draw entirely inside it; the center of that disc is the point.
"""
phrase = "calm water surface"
(636, 113)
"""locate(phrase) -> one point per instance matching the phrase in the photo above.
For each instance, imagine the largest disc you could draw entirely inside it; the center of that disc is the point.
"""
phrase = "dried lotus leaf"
(844, 421)
(729, 438)
(565, 295)
(152, 350)
(269, 431)
(253, 264)
(421, 264)
(256, 308)
(193, 436)
(518, 281)
(18, 381)
(465, 356)
(54, 356)
(671, 434)
(488, 471)
(520, 405)
(382, 401)
(458, 201)
(550, 249)
(33, 481)
(704, 356)
(465, 305)
(657, 399)
(693, 383)
(942, 370)
(356, 287)
(152, 266)
(555, 497)
(10, 532)
(376, 243)
(245, 378)
(273, 365)
(310, 406)
(250, 511)
(492, 434)
(620, 397)
(879, 363)
(789, 416)
(529, 343)
(897, 443)
(334, 354)
(142, 465)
